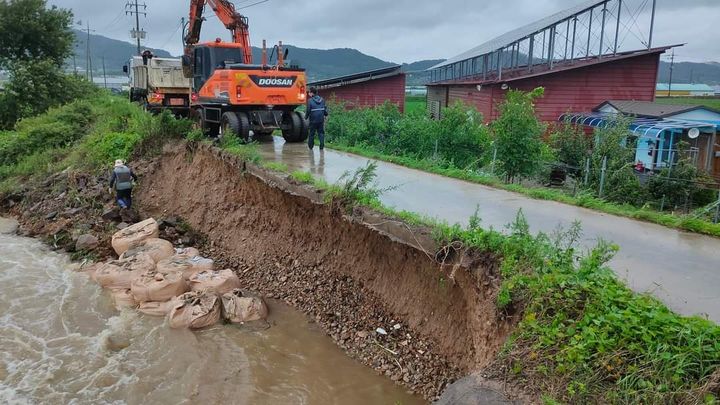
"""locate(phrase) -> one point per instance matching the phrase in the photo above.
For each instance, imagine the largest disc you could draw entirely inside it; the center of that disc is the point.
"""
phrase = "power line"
(136, 33)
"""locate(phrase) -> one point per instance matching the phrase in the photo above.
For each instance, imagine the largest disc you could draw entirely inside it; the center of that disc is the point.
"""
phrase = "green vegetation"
(459, 139)
(415, 105)
(584, 336)
(34, 43)
(83, 135)
(708, 102)
(517, 135)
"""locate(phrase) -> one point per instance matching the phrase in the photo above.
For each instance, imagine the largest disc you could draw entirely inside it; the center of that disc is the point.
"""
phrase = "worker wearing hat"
(122, 181)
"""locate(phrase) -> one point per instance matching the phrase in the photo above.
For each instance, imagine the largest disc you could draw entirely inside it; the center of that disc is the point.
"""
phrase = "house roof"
(520, 33)
(540, 70)
(358, 77)
(683, 87)
(649, 109)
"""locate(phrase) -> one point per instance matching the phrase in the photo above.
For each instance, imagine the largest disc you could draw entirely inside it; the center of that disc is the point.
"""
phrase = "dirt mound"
(373, 283)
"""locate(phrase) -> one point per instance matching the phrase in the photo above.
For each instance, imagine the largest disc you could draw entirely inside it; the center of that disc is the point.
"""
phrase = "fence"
(579, 180)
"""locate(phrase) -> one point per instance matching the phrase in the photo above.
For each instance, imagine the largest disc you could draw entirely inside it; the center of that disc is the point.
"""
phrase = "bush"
(517, 135)
(572, 146)
(683, 184)
(459, 139)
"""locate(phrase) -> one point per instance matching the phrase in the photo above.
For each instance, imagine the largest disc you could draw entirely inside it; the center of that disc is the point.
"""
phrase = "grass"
(708, 102)
(685, 223)
(415, 104)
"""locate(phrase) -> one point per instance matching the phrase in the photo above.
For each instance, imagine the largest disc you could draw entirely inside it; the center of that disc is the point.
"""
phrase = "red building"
(575, 55)
(578, 86)
(366, 89)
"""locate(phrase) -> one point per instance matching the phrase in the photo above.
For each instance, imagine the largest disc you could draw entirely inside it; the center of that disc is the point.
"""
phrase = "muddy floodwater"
(61, 341)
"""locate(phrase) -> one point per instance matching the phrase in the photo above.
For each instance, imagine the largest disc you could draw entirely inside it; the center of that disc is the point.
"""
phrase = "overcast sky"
(396, 30)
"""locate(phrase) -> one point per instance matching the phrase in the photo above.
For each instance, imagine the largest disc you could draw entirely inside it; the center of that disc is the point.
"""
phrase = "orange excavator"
(230, 94)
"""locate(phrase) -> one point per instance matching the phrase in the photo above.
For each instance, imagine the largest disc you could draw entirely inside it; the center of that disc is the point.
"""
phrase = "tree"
(36, 86)
(614, 143)
(29, 30)
(517, 134)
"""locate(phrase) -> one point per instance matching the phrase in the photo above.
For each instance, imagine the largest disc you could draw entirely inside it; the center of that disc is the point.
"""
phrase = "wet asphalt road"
(680, 268)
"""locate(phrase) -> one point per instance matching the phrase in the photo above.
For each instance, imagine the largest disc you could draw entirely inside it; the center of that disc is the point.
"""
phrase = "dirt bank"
(352, 273)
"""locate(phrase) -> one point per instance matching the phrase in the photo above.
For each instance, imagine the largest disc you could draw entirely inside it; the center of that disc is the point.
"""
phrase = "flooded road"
(680, 268)
(62, 342)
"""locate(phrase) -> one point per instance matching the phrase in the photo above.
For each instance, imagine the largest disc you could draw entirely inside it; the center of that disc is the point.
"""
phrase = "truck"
(159, 84)
(231, 95)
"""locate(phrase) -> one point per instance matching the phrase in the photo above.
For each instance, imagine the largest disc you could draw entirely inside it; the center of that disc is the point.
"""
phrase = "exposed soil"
(378, 287)
(352, 273)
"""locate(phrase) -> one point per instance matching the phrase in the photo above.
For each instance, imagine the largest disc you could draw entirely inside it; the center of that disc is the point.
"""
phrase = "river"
(62, 342)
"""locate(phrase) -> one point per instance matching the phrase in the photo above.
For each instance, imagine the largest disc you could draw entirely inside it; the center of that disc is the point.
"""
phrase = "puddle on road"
(61, 341)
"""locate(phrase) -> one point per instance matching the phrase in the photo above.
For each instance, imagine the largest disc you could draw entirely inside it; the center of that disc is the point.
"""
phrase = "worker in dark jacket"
(122, 181)
(315, 112)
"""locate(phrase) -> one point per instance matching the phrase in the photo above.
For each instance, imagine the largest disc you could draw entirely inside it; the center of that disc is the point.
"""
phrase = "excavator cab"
(208, 58)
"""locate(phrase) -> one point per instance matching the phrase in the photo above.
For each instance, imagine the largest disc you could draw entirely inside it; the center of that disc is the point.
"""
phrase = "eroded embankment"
(352, 273)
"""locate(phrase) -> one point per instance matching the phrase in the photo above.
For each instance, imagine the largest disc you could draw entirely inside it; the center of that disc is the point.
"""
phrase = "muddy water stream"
(61, 341)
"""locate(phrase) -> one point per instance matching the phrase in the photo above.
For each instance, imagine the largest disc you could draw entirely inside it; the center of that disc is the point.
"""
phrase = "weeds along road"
(682, 269)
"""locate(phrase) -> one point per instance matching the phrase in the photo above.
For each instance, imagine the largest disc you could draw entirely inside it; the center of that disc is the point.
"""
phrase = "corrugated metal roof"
(520, 33)
(643, 127)
(540, 70)
(684, 87)
(651, 110)
(358, 77)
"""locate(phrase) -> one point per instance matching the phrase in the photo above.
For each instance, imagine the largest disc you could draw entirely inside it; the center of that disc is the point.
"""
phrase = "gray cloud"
(394, 30)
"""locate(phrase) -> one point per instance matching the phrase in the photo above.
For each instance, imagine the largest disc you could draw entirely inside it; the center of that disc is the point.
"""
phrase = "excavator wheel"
(304, 127)
(295, 133)
(236, 124)
(198, 118)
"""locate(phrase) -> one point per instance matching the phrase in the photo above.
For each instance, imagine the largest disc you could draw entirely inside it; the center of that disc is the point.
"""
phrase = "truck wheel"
(294, 131)
(236, 124)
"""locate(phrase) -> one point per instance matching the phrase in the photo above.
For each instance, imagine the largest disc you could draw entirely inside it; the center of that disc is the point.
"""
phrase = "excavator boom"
(234, 21)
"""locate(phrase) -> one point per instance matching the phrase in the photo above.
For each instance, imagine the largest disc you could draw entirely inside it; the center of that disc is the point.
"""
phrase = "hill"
(689, 72)
(116, 53)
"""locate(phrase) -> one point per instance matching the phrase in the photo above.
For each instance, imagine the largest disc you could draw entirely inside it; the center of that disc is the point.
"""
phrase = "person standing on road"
(122, 181)
(315, 112)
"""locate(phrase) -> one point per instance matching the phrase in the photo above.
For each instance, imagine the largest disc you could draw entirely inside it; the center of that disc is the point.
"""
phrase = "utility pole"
(88, 56)
(104, 75)
(672, 65)
(132, 8)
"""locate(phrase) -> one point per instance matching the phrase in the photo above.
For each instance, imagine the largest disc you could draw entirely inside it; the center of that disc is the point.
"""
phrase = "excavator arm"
(234, 21)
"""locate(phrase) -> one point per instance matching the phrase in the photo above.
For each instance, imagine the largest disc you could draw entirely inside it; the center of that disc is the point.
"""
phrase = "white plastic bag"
(195, 310)
(238, 308)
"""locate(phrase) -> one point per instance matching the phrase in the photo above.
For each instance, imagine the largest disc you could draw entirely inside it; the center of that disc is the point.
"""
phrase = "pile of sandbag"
(159, 280)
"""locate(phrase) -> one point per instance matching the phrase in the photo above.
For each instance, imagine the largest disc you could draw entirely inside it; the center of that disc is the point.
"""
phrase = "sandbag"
(195, 310)
(175, 264)
(155, 308)
(158, 249)
(187, 252)
(219, 282)
(126, 238)
(154, 286)
(238, 308)
(120, 273)
(123, 298)
(200, 263)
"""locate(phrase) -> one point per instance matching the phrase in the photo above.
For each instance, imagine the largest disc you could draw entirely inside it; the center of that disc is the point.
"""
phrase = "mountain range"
(326, 63)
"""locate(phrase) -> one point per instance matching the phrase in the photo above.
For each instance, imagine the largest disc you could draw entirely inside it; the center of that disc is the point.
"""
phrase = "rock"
(122, 225)
(86, 242)
(474, 389)
(112, 214)
(71, 212)
(8, 226)
(51, 215)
